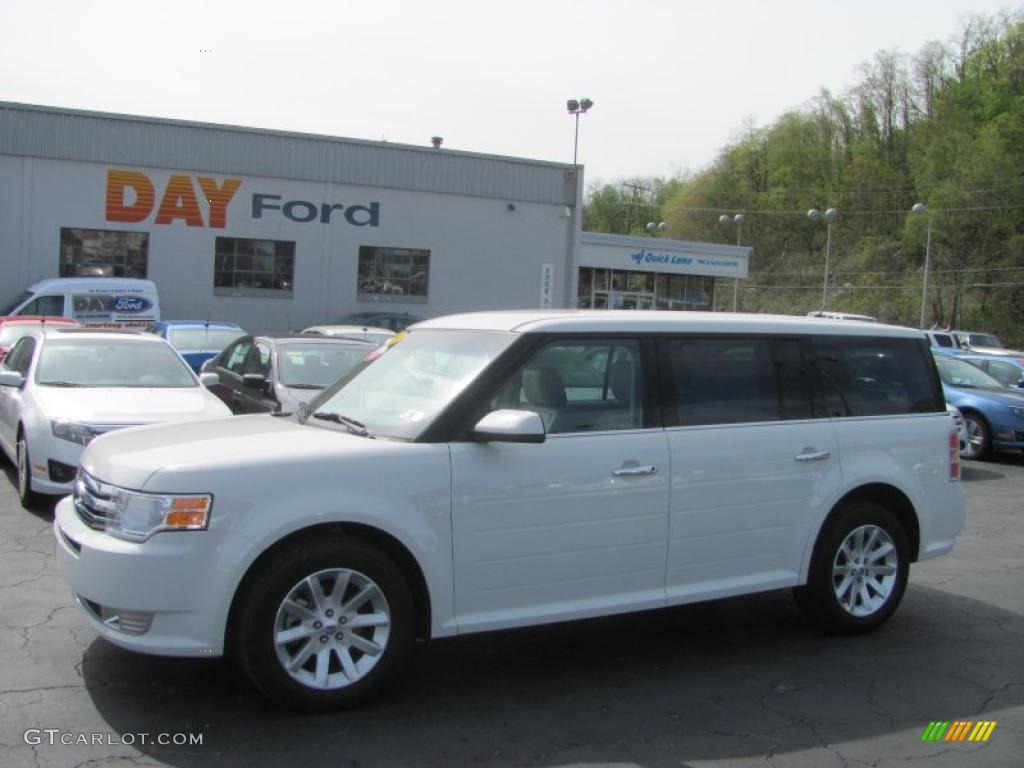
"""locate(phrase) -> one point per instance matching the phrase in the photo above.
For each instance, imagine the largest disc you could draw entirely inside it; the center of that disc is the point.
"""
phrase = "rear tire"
(858, 571)
(325, 624)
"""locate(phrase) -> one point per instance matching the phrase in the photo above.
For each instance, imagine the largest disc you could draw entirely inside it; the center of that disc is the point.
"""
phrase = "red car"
(14, 327)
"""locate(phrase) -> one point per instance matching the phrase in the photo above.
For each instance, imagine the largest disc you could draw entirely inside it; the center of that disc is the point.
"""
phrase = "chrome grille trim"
(92, 500)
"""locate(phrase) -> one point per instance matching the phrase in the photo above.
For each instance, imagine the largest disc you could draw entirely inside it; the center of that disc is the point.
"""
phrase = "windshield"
(401, 392)
(318, 365)
(957, 373)
(207, 339)
(24, 297)
(983, 340)
(111, 363)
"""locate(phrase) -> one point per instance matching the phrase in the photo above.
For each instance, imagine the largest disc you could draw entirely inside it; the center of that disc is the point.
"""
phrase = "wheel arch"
(890, 497)
(384, 541)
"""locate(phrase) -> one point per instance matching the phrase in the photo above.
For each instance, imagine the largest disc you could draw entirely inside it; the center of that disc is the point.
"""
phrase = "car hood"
(1000, 351)
(129, 405)
(130, 457)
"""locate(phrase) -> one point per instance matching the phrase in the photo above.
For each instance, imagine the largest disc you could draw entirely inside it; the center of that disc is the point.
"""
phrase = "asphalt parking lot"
(743, 682)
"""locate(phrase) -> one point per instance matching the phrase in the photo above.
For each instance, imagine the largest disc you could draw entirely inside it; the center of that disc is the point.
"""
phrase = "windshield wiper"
(59, 384)
(281, 414)
(303, 386)
(353, 426)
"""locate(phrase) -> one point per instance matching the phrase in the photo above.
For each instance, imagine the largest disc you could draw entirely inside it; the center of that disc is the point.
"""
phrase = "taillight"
(954, 456)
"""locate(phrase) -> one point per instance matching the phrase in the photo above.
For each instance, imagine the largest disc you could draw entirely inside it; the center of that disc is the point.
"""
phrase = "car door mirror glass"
(509, 426)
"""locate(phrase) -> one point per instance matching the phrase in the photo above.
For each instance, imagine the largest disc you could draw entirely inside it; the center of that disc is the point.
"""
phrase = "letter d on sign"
(119, 210)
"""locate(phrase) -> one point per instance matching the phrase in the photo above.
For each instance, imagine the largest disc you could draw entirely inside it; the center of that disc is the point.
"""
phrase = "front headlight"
(1018, 411)
(136, 516)
(72, 431)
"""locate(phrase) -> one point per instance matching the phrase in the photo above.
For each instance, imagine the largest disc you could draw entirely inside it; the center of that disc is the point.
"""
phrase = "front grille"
(93, 501)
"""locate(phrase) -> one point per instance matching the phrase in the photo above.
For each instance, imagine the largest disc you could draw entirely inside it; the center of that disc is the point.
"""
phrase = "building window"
(103, 253)
(253, 266)
(393, 271)
(627, 289)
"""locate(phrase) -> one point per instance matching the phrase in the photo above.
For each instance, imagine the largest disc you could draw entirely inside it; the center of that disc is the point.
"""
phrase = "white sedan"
(61, 388)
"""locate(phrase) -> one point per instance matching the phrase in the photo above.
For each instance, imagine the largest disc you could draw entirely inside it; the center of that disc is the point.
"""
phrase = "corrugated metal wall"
(149, 142)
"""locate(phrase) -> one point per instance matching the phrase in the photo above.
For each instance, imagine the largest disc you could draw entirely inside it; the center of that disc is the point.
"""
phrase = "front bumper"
(154, 596)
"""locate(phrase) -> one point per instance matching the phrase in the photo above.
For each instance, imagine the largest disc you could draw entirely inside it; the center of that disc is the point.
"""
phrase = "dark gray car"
(264, 374)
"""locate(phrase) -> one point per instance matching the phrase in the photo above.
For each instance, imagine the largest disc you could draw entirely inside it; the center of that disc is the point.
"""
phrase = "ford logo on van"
(129, 304)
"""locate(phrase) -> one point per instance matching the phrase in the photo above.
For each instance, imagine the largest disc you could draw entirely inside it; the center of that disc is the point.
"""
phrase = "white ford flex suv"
(505, 469)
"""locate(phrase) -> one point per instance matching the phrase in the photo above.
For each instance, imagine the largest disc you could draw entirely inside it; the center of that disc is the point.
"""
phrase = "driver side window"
(580, 386)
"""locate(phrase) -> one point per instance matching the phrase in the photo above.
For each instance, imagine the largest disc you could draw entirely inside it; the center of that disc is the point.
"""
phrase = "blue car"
(197, 340)
(993, 413)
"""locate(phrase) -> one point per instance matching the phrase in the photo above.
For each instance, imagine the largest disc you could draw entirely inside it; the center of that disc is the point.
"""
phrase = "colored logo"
(958, 730)
(129, 304)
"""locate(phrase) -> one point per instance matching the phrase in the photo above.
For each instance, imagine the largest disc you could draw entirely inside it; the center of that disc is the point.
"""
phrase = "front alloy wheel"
(332, 628)
(978, 442)
(26, 495)
(324, 623)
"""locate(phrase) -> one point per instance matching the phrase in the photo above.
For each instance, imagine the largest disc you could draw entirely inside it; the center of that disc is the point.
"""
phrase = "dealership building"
(276, 230)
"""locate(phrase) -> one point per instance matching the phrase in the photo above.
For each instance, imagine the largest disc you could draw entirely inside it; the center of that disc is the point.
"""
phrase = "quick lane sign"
(132, 197)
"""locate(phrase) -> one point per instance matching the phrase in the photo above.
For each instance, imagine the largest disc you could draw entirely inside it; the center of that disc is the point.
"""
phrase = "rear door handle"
(635, 471)
(815, 456)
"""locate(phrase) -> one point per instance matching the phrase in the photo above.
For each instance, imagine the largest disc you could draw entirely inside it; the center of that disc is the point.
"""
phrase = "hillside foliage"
(944, 127)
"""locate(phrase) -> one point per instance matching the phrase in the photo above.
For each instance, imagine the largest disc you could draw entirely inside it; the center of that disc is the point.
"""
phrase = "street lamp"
(655, 228)
(830, 215)
(738, 221)
(577, 108)
(922, 208)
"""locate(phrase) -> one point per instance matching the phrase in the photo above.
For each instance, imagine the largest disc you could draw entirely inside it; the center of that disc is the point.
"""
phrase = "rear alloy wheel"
(325, 625)
(29, 498)
(979, 438)
(858, 570)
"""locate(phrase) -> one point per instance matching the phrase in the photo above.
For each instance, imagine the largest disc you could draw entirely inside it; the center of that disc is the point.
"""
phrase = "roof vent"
(436, 141)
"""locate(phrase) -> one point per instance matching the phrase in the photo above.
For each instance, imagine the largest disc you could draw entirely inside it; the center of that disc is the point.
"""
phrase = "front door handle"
(635, 471)
(814, 456)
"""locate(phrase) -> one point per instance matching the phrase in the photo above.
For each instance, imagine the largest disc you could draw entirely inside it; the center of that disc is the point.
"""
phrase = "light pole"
(922, 208)
(830, 215)
(577, 108)
(738, 221)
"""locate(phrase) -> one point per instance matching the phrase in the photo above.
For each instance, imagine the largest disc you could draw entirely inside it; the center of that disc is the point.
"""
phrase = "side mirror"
(254, 380)
(508, 426)
(209, 379)
(11, 379)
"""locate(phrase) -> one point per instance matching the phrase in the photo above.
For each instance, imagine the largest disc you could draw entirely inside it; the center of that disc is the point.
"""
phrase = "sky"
(672, 81)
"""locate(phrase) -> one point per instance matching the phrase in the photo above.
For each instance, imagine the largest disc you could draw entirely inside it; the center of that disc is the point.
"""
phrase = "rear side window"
(864, 376)
(736, 380)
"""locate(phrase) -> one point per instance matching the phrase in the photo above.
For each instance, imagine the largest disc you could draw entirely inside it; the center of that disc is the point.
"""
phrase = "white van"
(504, 469)
(110, 302)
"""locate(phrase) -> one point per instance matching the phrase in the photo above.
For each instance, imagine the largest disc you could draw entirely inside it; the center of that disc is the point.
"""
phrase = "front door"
(575, 526)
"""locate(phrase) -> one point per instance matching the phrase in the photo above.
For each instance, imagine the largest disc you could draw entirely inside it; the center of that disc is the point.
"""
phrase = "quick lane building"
(278, 230)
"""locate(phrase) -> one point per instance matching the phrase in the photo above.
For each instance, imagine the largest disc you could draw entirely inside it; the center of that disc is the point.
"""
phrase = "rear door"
(752, 463)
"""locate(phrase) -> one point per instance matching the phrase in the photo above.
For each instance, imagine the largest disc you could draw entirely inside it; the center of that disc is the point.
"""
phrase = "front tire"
(979, 437)
(326, 624)
(858, 571)
(23, 467)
